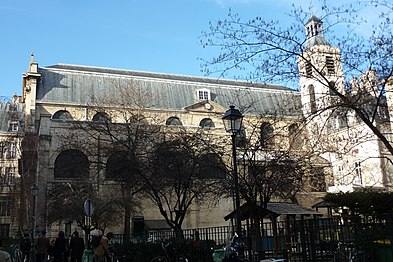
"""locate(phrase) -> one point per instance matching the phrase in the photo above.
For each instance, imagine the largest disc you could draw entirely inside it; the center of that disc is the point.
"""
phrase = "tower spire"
(315, 33)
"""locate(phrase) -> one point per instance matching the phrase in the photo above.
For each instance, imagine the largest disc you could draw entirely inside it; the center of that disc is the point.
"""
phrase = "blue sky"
(147, 35)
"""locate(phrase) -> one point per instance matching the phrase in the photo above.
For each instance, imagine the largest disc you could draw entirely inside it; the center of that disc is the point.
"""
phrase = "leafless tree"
(185, 170)
(266, 51)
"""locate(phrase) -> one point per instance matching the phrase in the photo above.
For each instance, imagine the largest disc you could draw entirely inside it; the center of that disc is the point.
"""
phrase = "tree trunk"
(127, 224)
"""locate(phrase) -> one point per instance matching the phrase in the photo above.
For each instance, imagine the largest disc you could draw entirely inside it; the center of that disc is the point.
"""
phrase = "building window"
(266, 135)
(11, 154)
(101, 117)
(173, 121)
(203, 94)
(4, 230)
(2, 150)
(211, 167)
(313, 104)
(341, 176)
(330, 65)
(62, 115)
(308, 68)
(317, 181)
(71, 164)
(121, 166)
(358, 174)
(294, 136)
(206, 123)
(8, 177)
(14, 127)
(5, 206)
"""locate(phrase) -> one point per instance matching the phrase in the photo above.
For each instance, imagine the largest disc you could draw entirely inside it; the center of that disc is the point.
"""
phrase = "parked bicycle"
(169, 254)
(338, 251)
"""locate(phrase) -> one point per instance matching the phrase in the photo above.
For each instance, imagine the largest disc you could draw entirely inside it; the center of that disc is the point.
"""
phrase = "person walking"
(101, 251)
(25, 247)
(41, 247)
(61, 248)
(77, 246)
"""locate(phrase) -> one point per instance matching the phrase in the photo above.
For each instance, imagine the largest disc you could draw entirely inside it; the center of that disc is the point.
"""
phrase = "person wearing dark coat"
(77, 246)
(60, 248)
(25, 247)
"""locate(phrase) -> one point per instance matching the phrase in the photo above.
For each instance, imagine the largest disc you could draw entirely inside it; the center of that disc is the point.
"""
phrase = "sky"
(144, 35)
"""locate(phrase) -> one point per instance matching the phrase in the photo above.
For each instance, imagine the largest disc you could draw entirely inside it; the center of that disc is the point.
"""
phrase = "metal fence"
(318, 239)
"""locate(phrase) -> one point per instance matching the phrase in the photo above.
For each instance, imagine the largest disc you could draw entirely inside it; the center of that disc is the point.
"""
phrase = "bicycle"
(338, 251)
(169, 256)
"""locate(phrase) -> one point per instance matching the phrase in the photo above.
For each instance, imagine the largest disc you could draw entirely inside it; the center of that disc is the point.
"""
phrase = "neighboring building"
(12, 220)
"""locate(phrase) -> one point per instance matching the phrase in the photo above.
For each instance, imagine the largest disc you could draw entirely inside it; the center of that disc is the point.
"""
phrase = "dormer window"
(203, 94)
(14, 126)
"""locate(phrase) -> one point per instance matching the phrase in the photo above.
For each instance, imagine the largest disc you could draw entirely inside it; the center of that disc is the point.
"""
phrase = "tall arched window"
(173, 121)
(294, 136)
(266, 135)
(121, 167)
(62, 115)
(206, 123)
(313, 103)
(211, 167)
(71, 164)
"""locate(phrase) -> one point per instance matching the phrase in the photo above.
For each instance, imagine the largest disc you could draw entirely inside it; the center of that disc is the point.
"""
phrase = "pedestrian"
(51, 250)
(41, 247)
(77, 246)
(4, 255)
(101, 251)
(61, 248)
(25, 247)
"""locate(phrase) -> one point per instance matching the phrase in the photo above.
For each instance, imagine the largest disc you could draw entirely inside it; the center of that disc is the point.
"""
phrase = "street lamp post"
(34, 192)
(233, 123)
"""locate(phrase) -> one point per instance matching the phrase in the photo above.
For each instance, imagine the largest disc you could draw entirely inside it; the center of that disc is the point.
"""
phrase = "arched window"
(241, 138)
(174, 161)
(211, 167)
(173, 121)
(313, 104)
(121, 167)
(101, 117)
(62, 115)
(294, 136)
(71, 164)
(206, 123)
(266, 135)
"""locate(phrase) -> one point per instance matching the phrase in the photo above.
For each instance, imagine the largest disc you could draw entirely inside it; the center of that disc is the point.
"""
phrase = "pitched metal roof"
(77, 84)
(274, 209)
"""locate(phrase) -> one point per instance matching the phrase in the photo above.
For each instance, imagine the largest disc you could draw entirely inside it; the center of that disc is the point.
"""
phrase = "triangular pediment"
(206, 106)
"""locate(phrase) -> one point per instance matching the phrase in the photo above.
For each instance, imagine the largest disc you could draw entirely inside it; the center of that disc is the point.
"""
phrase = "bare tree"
(263, 50)
(184, 171)
(66, 202)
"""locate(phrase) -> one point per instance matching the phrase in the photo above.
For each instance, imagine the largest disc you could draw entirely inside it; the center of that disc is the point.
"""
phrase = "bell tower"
(320, 69)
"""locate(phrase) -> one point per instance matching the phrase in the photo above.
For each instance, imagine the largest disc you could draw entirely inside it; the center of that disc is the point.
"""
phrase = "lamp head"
(232, 120)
